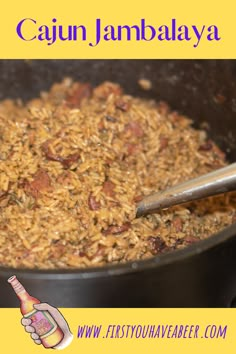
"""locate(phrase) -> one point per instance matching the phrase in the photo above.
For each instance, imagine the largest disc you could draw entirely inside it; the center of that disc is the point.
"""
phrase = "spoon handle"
(213, 183)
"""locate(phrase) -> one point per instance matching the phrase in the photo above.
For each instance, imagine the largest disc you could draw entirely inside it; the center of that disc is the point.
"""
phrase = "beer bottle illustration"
(45, 325)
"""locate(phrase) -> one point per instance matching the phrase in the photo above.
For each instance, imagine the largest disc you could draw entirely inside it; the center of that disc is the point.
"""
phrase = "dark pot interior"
(204, 275)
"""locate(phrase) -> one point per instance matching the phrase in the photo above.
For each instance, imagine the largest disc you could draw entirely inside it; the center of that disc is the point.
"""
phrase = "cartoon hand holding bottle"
(44, 322)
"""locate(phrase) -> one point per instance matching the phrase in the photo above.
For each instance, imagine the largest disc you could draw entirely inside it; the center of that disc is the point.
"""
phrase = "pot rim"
(216, 240)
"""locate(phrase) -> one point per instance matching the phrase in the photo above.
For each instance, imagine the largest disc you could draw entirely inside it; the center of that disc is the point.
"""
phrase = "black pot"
(203, 275)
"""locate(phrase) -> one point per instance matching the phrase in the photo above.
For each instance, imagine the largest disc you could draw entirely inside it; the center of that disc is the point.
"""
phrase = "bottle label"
(43, 323)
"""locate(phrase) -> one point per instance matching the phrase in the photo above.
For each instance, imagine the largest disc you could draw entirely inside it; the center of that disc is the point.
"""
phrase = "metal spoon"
(214, 183)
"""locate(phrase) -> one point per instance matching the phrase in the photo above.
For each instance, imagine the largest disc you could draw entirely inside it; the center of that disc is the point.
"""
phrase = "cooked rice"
(74, 162)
